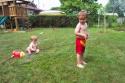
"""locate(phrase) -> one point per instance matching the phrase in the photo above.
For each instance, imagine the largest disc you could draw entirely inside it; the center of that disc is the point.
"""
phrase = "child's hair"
(82, 14)
(33, 37)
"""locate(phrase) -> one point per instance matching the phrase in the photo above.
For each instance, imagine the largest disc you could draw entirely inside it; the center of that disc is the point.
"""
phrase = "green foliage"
(59, 21)
(72, 7)
(111, 21)
(116, 6)
(53, 21)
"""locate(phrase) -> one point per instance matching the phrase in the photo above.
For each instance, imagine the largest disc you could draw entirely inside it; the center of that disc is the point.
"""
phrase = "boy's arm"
(87, 34)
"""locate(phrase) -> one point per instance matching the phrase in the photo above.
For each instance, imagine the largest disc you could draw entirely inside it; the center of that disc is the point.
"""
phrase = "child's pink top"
(33, 46)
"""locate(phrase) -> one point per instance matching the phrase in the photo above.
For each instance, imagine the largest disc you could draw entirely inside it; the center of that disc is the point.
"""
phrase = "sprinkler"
(15, 55)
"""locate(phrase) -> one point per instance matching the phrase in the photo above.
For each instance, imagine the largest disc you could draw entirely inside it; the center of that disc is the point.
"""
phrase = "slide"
(3, 20)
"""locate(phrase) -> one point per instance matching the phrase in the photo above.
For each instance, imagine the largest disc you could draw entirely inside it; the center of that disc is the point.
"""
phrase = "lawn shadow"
(89, 59)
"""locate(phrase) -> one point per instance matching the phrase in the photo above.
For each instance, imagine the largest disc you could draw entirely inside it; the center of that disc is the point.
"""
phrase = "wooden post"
(16, 23)
(3, 13)
(26, 10)
(15, 10)
(2, 9)
(11, 23)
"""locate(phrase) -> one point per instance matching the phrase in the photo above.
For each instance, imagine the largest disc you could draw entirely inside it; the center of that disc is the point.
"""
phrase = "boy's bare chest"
(83, 28)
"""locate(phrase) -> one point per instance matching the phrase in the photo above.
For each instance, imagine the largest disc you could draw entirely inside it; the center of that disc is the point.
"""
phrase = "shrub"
(57, 21)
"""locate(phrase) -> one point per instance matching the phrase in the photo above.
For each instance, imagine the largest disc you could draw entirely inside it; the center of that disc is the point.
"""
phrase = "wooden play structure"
(14, 13)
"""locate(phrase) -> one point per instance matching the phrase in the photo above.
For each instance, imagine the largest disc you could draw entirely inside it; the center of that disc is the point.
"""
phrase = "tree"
(71, 7)
(116, 6)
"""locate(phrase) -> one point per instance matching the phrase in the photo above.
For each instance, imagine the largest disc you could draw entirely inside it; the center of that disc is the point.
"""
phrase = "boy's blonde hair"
(82, 13)
(33, 37)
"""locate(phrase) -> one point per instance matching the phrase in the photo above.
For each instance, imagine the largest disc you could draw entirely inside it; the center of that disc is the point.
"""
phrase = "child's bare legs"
(79, 61)
(28, 51)
(37, 51)
(82, 60)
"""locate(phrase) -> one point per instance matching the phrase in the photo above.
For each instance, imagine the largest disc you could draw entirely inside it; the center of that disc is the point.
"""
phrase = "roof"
(33, 8)
(52, 12)
(21, 1)
(30, 5)
(111, 14)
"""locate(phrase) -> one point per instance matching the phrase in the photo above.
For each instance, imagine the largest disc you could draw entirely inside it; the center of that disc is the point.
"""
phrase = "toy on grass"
(18, 54)
(15, 54)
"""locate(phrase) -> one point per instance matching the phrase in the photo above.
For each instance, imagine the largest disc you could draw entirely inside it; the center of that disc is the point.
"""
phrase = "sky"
(103, 2)
(48, 4)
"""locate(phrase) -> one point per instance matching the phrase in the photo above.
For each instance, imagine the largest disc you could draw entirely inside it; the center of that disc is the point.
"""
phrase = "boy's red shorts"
(80, 46)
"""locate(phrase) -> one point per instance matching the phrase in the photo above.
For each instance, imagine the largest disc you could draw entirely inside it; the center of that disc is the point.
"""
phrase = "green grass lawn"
(56, 62)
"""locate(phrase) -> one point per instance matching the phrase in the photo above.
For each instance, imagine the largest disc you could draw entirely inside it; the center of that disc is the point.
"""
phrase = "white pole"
(104, 21)
(98, 20)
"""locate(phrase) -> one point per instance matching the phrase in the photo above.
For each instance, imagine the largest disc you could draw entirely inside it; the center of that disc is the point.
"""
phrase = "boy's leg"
(83, 51)
(82, 60)
(79, 61)
(78, 58)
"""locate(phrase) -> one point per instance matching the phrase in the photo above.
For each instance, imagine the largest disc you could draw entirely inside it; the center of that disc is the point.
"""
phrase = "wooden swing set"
(17, 10)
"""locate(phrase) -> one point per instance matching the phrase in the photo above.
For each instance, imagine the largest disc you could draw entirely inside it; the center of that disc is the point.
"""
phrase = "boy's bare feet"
(80, 66)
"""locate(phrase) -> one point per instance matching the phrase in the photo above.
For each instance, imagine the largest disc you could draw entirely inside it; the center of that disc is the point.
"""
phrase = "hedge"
(64, 21)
